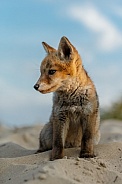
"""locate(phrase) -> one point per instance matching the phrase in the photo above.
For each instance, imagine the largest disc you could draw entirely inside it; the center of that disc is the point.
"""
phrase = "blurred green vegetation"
(114, 112)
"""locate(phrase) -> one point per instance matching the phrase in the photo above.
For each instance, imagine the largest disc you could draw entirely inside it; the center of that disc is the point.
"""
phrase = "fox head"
(58, 67)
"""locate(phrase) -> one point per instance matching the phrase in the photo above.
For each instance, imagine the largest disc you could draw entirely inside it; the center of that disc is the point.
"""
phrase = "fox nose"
(36, 86)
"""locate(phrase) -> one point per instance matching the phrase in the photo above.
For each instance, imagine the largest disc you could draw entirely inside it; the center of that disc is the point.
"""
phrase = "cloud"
(107, 79)
(109, 37)
(13, 97)
(21, 106)
(118, 10)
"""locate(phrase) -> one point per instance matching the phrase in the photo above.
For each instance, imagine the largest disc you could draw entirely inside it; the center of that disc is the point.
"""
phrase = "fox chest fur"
(75, 103)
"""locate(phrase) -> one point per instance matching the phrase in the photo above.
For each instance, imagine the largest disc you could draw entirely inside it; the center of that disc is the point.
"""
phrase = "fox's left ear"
(65, 49)
(48, 48)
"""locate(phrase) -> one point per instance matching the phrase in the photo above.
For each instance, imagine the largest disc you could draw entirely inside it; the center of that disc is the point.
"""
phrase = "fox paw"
(38, 151)
(56, 154)
(56, 157)
(87, 155)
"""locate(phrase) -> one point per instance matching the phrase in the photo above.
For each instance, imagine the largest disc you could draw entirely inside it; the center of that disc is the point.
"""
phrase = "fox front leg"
(60, 129)
(87, 143)
(87, 148)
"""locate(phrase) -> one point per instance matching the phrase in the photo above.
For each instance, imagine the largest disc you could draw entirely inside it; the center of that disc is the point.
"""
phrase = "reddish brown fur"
(75, 115)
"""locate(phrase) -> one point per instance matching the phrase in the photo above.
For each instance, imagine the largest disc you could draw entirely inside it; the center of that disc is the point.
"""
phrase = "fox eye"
(51, 72)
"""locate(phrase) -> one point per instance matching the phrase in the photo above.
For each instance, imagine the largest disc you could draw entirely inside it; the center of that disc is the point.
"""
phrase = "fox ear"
(48, 48)
(65, 49)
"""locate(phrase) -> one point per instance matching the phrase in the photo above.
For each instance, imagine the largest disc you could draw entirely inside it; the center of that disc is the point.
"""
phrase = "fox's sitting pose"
(75, 115)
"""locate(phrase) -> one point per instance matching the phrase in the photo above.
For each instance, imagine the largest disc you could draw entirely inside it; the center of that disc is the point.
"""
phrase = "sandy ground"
(19, 164)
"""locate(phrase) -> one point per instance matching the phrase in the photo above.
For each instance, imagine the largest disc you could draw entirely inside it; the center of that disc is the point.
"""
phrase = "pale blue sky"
(95, 29)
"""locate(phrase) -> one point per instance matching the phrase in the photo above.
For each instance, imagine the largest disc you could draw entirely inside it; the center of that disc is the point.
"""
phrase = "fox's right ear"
(48, 48)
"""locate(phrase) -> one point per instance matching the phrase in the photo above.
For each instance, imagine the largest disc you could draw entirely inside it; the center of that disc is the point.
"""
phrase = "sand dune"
(19, 164)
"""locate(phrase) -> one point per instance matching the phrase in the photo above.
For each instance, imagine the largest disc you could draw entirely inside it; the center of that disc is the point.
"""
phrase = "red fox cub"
(75, 114)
